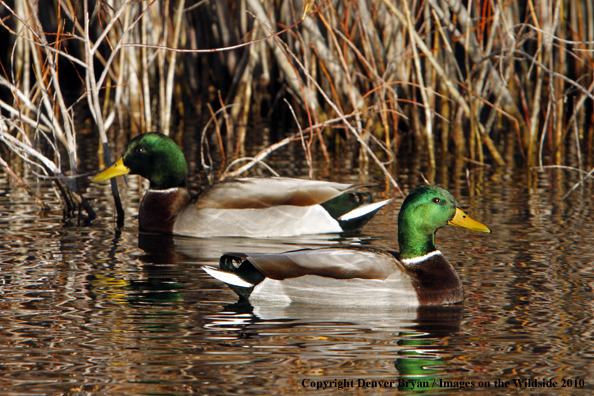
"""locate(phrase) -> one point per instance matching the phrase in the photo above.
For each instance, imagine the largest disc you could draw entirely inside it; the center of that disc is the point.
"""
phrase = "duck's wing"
(337, 263)
(260, 193)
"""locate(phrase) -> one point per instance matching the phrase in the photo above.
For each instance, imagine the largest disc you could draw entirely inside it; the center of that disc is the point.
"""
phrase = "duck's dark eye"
(140, 149)
(436, 200)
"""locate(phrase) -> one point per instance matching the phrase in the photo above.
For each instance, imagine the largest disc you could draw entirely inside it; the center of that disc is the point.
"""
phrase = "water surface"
(93, 308)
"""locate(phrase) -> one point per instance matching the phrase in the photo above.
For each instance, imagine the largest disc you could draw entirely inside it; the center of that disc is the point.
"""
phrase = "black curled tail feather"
(231, 261)
(364, 198)
(239, 264)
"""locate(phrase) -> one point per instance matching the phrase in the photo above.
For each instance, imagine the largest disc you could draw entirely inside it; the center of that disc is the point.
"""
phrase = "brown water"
(93, 309)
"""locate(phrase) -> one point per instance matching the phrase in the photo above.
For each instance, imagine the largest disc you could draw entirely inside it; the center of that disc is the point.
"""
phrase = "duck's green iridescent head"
(153, 156)
(424, 211)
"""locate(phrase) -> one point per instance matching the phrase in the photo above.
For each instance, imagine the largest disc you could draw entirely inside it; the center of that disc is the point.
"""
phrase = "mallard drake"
(249, 207)
(418, 275)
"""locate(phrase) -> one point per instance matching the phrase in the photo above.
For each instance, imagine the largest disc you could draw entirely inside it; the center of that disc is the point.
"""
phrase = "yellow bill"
(117, 169)
(462, 220)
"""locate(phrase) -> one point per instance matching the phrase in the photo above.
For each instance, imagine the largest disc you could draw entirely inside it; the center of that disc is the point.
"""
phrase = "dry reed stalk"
(578, 150)
(433, 62)
(162, 34)
(218, 131)
(146, 89)
(44, 63)
(229, 128)
(290, 75)
(24, 149)
(23, 53)
(69, 132)
(208, 167)
(243, 82)
(535, 114)
(93, 85)
(469, 85)
(495, 26)
(31, 35)
(427, 108)
(119, 90)
(350, 90)
(166, 113)
(352, 129)
(94, 105)
(355, 50)
(445, 78)
(306, 147)
(42, 122)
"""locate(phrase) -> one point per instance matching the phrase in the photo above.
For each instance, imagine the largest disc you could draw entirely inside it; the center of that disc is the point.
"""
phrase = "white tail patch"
(227, 277)
(363, 210)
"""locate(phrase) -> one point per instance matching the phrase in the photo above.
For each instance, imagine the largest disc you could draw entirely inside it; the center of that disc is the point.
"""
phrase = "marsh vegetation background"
(491, 99)
(489, 82)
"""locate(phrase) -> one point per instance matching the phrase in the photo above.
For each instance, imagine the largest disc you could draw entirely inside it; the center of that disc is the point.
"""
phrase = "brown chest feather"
(437, 282)
(158, 210)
